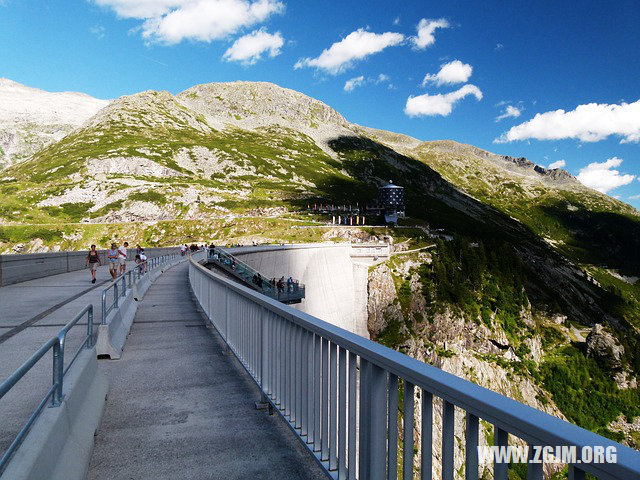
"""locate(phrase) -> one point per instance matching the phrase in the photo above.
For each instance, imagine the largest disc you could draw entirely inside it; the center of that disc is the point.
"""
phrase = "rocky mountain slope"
(535, 261)
(30, 118)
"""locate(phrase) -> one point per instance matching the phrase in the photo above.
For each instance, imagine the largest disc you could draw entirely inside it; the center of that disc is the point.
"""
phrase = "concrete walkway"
(180, 408)
(30, 314)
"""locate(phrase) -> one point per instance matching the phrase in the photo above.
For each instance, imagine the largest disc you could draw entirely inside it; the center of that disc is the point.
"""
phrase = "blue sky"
(518, 57)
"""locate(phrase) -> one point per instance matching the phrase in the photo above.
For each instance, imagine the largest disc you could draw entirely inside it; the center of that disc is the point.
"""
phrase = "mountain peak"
(31, 118)
(526, 166)
(254, 104)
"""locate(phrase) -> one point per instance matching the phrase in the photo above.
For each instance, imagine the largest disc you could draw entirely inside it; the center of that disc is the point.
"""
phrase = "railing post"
(392, 427)
(90, 327)
(500, 439)
(407, 427)
(263, 353)
(226, 315)
(58, 369)
(378, 422)
(115, 294)
(103, 321)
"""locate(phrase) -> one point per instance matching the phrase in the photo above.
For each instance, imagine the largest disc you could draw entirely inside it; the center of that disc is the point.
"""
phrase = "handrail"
(240, 264)
(295, 359)
(127, 280)
(54, 393)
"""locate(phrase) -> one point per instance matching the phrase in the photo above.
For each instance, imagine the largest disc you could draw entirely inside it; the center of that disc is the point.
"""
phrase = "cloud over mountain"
(509, 112)
(426, 30)
(441, 104)
(603, 176)
(449, 74)
(558, 164)
(588, 123)
(352, 83)
(355, 82)
(172, 21)
(249, 48)
(356, 46)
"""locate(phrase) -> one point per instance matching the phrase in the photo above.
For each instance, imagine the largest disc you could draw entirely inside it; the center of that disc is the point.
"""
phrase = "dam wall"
(335, 276)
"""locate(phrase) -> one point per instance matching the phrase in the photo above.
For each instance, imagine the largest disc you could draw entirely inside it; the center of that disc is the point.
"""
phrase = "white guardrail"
(339, 394)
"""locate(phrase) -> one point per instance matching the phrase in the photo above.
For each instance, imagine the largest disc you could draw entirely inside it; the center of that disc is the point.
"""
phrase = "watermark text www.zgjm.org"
(546, 454)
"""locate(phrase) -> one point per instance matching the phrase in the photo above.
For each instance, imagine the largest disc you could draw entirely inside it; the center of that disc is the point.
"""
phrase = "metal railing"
(126, 281)
(55, 393)
(339, 393)
(286, 293)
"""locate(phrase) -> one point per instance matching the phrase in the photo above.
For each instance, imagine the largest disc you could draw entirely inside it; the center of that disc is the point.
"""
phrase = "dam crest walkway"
(179, 406)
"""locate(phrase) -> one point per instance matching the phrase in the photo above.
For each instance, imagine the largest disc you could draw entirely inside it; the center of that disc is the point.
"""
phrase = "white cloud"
(426, 29)
(353, 83)
(355, 46)
(588, 123)
(171, 21)
(449, 74)
(558, 164)
(634, 197)
(603, 176)
(249, 48)
(509, 112)
(396, 21)
(439, 104)
(498, 47)
(98, 31)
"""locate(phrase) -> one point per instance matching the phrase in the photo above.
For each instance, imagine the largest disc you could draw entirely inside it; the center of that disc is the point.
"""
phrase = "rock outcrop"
(603, 346)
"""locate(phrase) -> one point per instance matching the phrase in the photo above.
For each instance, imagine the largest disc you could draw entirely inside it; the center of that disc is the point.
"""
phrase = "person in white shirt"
(122, 257)
(143, 260)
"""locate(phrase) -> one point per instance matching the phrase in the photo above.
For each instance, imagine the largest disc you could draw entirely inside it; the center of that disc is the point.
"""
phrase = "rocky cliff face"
(482, 352)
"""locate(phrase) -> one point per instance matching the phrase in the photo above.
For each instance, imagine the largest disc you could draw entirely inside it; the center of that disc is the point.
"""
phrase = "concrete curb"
(113, 335)
(60, 443)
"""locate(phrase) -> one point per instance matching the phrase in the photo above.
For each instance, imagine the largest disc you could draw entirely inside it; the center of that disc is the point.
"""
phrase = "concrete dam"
(207, 359)
(335, 276)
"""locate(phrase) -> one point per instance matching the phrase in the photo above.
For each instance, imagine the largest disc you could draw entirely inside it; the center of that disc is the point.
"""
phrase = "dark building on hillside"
(391, 203)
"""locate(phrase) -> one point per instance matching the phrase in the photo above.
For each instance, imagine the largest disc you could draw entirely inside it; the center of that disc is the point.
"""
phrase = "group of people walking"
(116, 259)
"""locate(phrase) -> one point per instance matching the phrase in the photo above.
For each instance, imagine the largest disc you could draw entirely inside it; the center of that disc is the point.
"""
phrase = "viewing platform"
(281, 289)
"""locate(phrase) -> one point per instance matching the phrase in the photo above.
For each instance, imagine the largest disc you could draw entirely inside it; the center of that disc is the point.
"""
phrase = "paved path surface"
(28, 318)
(179, 408)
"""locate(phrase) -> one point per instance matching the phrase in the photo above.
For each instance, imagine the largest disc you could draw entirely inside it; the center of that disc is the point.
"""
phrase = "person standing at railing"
(93, 259)
(122, 257)
(143, 261)
(112, 257)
